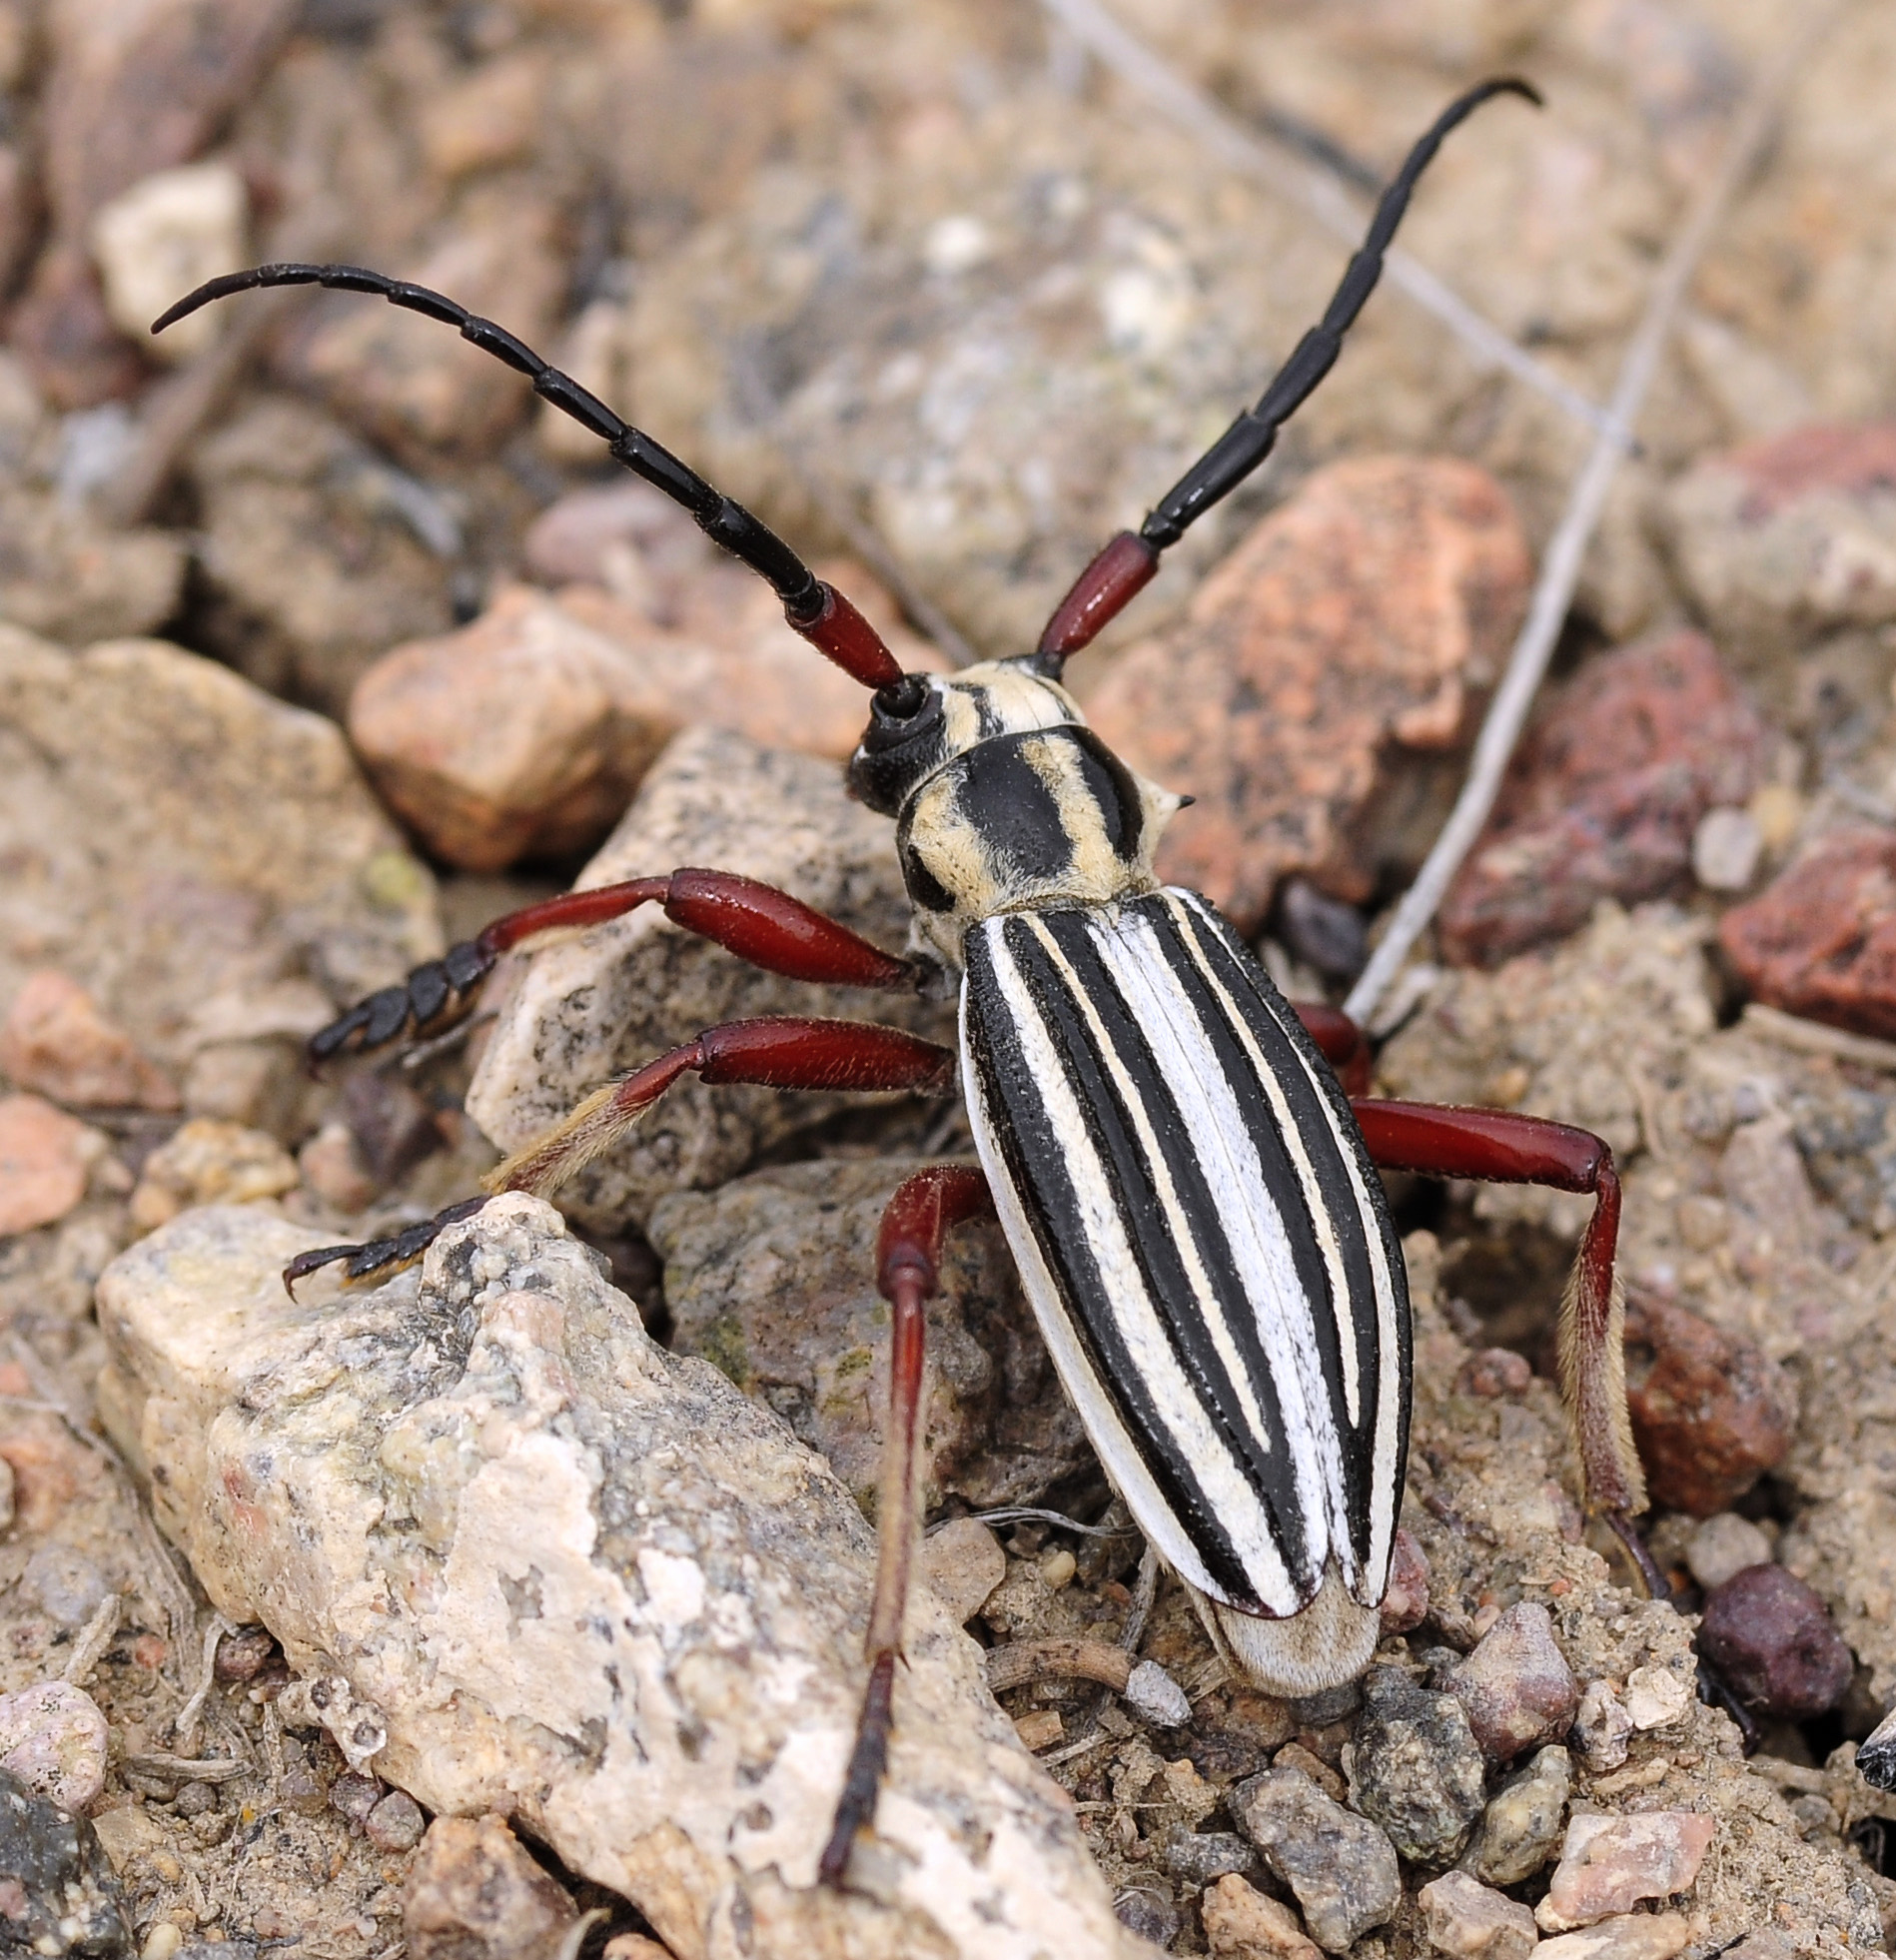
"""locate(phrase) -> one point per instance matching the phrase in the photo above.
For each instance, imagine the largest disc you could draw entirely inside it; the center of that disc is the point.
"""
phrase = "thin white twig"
(185, 1728)
(93, 1640)
(1318, 194)
(1561, 569)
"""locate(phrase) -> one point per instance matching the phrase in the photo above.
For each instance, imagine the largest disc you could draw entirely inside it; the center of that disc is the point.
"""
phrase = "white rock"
(1727, 848)
(1655, 1696)
(170, 231)
(963, 1563)
(53, 1738)
(1601, 1728)
(1468, 1920)
(1154, 1696)
(329, 1702)
(1625, 1936)
(583, 1582)
(1725, 1545)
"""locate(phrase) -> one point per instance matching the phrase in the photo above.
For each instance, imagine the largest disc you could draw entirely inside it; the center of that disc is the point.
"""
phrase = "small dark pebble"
(1150, 1913)
(302, 1790)
(195, 1799)
(241, 1656)
(1416, 1769)
(1203, 1857)
(1333, 1705)
(1324, 933)
(1770, 1638)
(396, 1823)
(1877, 1758)
(355, 1795)
(58, 1892)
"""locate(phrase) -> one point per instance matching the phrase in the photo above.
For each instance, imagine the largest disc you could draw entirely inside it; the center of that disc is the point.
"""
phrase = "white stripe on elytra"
(1253, 1226)
(1188, 1431)
(1389, 1404)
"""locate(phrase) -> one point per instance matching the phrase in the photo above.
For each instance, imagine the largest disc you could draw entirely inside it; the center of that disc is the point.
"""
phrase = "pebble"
(1625, 1936)
(963, 1563)
(1711, 1412)
(1522, 1825)
(1724, 1544)
(54, 1739)
(1656, 1697)
(1517, 1685)
(635, 1946)
(1154, 1696)
(1149, 1912)
(332, 1167)
(1608, 1864)
(169, 232)
(1606, 795)
(1727, 848)
(1774, 1642)
(162, 1942)
(474, 1893)
(354, 1795)
(1467, 1921)
(1342, 1867)
(1876, 1754)
(69, 1584)
(58, 1891)
(241, 1655)
(1340, 644)
(1601, 1728)
(45, 1159)
(6, 1495)
(55, 1041)
(396, 1823)
(1199, 1858)
(210, 1162)
(1415, 1767)
(1820, 940)
(1241, 1923)
(1495, 1371)
(1406, 1603)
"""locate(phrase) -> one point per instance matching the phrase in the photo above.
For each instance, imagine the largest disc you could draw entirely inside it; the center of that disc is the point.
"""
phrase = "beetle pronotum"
(1182, 1161)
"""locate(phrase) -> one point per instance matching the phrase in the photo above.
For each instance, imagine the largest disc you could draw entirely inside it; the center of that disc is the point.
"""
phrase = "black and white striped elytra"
(1208, 1253)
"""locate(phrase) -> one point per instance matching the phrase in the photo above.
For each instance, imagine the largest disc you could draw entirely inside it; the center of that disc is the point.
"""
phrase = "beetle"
(1183, 1164)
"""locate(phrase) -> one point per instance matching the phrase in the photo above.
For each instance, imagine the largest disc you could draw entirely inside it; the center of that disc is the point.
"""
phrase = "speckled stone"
(1723, 1544)
(1522, 1825)
(1342, 1867)
(53, 1737)
(1242, 1923)
(1415, 1767)
(1602, 1728)
(1467, 1921)
(58, 1892)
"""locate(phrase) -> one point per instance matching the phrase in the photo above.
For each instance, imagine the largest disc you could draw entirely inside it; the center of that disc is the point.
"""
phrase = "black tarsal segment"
(1246, 444)
(429, 991)
(728, 523)
(465, 964)
(400, 1249)
(388, 1016)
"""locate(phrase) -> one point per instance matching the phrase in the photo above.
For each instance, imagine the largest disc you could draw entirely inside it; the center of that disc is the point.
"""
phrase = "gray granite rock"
(1341, 1866)
(1522, 1825)
(1415, 1767)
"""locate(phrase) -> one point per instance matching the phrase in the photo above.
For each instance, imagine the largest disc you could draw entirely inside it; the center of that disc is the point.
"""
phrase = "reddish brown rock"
(1358, 626)
(1605, 795)
(44, 1158)
(55, 1040)
(1711, 1412)
(1821, 939)
(1517, 1685)
(474, 1893)
(1406, 1603)
(1768, 1633)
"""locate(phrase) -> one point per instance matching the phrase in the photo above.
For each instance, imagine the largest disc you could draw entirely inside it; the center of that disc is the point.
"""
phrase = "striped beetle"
(1183, 1164)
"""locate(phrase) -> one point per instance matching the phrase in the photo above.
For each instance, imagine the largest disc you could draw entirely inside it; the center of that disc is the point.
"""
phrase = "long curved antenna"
(1129, 561)
(814, 607)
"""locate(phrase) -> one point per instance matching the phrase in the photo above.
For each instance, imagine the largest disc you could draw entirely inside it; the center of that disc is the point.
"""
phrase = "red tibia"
(1123, 568)
(841, 633)
(788, 1052)
(1494, 1144)
(908, 1261)
(755, 921)
(1342, 1044)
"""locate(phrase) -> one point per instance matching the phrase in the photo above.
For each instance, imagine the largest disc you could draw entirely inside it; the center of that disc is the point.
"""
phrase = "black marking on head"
(903, 743)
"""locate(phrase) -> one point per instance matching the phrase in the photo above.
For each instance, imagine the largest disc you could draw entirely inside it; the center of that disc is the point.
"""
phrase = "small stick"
(93, 1640)
(186, 1769)
(185, 1728)
(1021, 1661)
(1561, 569)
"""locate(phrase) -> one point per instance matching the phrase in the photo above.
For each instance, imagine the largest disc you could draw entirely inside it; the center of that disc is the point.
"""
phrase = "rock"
(963, 1563)
(1724, 1544)
(614, 998)
(395, 1824)
(1201, 1857)
(1467, 1921)
(207, 1162)
(1415, 1767)
(1726, 848)
(1342, 1868)
(1241, 1923)
(1656, 1697)
(1711, 1412)
(353, 1796)
(619, 1495)
(45, 1158)
(474, 1893)
(1608, 1864)
(1517, 1685)
(1363, 619)
(1605, 796)
(332, 1167)
(1495, 1371)
(1625, 1936)
(1148, 1913)
(1768, 1633)
(1154, 1696)
(1521, 1824)
(53, 1738)
(69, 1584)
(1406, 1603)
(55, 1040)
(243, 1655)
(1601, 1728)
(66, 573)
(1786, 538)
(772, 1280)
(1876, 1754)
(174, 835)
(58, 1892)
(167, 234)
(6, 1495)
(490, 116)
(1820, 940)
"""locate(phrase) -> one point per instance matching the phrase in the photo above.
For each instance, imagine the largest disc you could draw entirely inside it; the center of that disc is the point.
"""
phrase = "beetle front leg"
(780, 1052)
(759, 923)
(1498, 1147)
(908, 1274)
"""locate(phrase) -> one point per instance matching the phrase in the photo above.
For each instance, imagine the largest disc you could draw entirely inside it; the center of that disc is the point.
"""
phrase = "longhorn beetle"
(1184, 1165)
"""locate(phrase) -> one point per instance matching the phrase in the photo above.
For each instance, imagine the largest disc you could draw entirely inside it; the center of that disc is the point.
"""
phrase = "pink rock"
(56, 1041)
(1406, 1603)
(1517, 1685)
(53, 1738)
(1608, 1864)
(1626, 1936)
(1468, 1920)
(44, 1158)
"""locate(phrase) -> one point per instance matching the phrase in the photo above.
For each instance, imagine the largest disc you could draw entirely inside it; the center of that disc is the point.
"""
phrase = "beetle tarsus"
(379, 1257)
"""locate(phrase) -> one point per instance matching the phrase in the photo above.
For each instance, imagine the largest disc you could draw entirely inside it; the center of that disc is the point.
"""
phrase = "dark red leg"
(908, 1263)
(780, 1053)
(1499, 1147)
(1344, 1046)
(755, 921)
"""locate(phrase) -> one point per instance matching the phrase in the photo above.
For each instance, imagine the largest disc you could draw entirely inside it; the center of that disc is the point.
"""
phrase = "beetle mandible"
(1184, 1165)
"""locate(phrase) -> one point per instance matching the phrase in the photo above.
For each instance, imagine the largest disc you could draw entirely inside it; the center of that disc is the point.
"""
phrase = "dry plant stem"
(1561, 569)
(1021, 1661)
(1134, 63)
(94, 1639)
(185, 1728)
